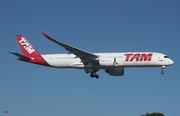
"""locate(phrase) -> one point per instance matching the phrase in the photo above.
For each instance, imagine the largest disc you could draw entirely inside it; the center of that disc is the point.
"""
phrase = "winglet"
(45, 34)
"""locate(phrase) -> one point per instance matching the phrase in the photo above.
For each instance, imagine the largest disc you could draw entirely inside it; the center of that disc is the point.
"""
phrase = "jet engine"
(115, 71)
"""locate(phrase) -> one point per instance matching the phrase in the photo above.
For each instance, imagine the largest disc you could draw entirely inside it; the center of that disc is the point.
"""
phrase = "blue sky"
(95, 26)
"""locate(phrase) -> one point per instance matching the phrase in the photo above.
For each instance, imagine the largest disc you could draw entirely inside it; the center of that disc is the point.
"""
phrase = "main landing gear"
(92, 73)
(163, 67)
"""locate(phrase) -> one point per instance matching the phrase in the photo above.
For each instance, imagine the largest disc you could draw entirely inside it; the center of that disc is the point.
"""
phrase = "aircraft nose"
(171, 61)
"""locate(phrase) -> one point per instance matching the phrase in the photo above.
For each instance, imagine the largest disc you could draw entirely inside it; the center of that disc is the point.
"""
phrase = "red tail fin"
(26, 48)
(30, 54)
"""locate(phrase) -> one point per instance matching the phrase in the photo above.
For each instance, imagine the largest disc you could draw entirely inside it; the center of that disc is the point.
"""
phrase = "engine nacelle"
(115, 71)
(107, 62)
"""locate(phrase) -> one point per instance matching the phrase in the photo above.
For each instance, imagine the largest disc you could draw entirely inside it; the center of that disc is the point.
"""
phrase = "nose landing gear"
(163, 67)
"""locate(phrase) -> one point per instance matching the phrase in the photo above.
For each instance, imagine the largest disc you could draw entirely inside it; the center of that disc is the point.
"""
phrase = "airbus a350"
(112, 63)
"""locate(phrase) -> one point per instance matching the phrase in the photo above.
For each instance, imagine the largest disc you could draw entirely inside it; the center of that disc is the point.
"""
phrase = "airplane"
(111, 63)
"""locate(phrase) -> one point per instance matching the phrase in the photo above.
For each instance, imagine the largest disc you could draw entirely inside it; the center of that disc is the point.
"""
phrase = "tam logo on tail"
(26, 45)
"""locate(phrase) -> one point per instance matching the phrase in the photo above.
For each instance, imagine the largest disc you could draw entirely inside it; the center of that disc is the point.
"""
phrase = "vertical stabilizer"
(26, 47)
(29, 53)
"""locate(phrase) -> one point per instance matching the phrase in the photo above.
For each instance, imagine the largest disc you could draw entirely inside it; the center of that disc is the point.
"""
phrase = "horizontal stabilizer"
(20, 56)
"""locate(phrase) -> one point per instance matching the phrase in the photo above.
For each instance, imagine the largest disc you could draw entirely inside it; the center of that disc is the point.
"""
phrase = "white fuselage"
(110, 60)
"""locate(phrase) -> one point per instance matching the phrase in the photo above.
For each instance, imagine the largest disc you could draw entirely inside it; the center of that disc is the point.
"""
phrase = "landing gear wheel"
(97, 76)
(86, 71)
(91, 75)
(162, 72)
(94, 75)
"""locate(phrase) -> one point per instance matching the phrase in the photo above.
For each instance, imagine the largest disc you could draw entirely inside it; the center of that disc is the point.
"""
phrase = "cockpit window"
(166, 57)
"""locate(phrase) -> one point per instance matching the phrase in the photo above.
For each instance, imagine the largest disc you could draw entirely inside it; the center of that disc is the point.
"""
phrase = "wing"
(83, 55)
